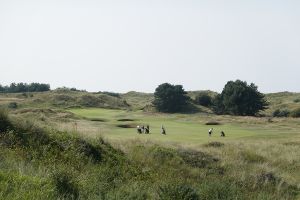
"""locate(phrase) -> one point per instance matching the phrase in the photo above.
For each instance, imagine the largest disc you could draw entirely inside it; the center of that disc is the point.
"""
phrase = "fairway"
(180, 128)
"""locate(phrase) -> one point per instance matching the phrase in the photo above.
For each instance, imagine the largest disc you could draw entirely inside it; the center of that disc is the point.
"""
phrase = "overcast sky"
(124, 45)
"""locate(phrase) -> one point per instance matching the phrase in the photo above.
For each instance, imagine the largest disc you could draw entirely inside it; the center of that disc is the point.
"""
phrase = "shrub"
(295, 113)
(297, 100)
(13, 105)
(203, 99)
(4, 121)
(281, 113)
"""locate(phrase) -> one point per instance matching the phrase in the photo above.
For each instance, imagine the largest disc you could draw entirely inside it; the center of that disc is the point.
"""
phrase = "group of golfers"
(210, 131)
(146, 130)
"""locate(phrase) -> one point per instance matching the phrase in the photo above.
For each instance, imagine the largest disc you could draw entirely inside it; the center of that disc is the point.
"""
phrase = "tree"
(24, 87)
(13, 87)
(203, 99)
(2, 89)
(217, 105)
(170, 98)
(238, 98)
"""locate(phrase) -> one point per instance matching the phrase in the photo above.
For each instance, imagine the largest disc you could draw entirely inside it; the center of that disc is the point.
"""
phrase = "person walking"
(210, 131)
(222, 134)
(163, 130)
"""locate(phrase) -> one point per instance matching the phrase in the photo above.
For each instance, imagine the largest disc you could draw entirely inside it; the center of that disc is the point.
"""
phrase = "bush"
(203, 99)
(295, 113)
(297, 100)
(4, 121)
(13, 105)
(281, 113)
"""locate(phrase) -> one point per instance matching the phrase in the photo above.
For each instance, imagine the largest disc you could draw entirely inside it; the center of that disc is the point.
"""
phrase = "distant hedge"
(24, 87)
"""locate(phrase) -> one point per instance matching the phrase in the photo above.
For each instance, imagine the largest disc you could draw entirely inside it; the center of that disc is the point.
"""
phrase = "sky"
(135, 45)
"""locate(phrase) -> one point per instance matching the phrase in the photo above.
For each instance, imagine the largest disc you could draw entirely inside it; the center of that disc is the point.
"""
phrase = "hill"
(64, 98)
(283, 100)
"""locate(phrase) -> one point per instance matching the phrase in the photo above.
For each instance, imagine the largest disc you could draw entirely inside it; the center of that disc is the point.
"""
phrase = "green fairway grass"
(180, 128)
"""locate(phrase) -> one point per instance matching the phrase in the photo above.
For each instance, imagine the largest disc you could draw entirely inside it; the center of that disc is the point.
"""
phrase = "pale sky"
(124, 45)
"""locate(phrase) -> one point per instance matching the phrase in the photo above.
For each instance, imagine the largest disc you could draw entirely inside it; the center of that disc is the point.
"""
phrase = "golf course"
(65, 144)
(185, 129)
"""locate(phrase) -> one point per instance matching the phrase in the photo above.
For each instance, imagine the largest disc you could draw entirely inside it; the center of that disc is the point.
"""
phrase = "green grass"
(181, 128)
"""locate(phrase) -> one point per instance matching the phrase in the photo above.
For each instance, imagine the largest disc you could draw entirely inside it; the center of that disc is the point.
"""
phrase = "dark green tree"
(217, 105)
(13, 87)
(238, 98)
(2, 89)
(24, 87)
(170, 98)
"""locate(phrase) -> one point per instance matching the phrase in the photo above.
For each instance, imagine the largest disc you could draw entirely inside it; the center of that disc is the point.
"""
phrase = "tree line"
(237, 98)
(24, 87)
